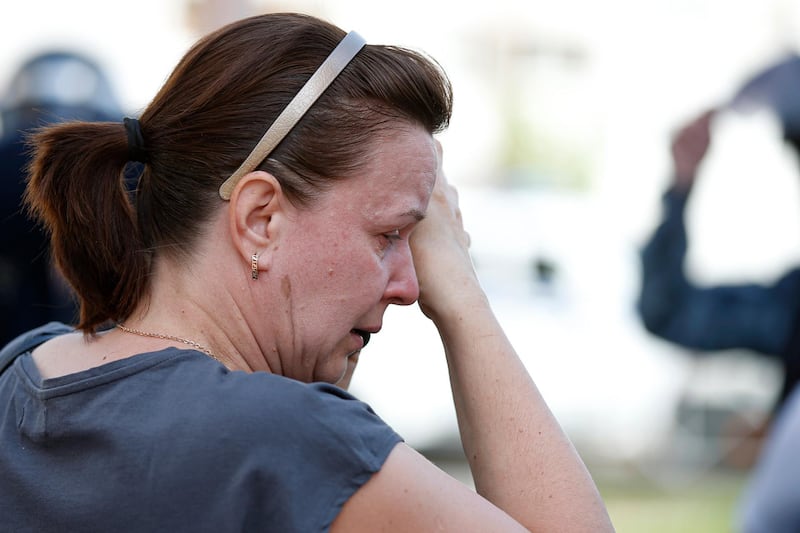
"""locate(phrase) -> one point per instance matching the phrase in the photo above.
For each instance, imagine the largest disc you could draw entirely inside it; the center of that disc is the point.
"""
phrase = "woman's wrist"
(453, 304)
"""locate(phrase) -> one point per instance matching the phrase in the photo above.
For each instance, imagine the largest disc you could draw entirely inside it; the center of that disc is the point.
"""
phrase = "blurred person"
(292, 190)
(771, 502)
(761, 318)
(49, 87)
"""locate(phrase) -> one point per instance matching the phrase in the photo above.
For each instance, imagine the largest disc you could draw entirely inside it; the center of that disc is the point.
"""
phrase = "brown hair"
(210, 113)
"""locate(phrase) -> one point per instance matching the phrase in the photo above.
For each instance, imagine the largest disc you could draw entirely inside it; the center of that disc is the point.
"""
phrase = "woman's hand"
(440, 247)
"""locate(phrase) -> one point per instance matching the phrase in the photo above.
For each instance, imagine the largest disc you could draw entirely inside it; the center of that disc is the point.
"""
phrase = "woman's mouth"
(363, 334)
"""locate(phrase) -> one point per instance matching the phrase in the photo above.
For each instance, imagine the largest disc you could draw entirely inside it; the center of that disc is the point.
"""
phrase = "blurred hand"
(440, 247)
(689, 147)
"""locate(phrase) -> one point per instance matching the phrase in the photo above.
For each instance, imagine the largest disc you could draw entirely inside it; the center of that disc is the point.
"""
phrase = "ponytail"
(76, 190)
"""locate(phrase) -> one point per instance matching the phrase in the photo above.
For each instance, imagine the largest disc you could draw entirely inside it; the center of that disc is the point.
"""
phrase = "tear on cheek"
(286, 287)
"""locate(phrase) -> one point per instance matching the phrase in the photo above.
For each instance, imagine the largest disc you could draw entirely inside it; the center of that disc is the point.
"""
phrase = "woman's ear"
(256, 205)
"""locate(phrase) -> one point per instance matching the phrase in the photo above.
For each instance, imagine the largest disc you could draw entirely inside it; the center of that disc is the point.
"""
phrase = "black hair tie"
(136, 149)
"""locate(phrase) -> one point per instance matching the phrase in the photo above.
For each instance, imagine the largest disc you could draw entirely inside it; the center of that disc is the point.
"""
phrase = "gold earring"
(254, 266)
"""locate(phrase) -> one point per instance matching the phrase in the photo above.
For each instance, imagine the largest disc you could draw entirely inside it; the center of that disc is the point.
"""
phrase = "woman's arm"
(520, 459)
(526, 472)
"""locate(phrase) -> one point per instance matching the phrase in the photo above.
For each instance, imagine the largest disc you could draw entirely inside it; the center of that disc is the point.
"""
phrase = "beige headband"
(333, 65)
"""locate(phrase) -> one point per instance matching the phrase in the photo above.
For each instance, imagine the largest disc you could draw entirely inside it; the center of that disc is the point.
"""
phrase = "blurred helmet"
(777, 88)
(49, 87)
(55, 86)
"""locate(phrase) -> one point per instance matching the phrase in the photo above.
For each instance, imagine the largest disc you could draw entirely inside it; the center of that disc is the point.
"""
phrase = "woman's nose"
(403, 286)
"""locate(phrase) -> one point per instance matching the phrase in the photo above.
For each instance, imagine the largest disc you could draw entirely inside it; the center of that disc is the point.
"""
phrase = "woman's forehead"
(409, 149)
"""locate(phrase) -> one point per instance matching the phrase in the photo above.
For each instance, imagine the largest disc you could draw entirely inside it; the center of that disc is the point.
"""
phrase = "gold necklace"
(163, 336)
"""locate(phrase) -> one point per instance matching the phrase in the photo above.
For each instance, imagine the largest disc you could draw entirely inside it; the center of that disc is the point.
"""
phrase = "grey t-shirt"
(173, 441)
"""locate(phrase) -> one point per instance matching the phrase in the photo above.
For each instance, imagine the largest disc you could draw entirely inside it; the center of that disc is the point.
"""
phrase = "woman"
(243, 292)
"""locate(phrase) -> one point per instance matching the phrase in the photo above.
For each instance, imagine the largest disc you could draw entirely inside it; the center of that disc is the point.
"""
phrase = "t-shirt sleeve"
(324, 444)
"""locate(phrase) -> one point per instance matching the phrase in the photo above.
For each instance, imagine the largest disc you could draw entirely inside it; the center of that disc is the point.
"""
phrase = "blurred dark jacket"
(761, 318)
(50, 87)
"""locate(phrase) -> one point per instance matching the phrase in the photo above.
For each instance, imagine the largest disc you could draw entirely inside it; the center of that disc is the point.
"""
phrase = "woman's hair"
(202, 124)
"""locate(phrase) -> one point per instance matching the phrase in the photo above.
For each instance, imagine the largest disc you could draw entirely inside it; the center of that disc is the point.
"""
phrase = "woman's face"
(344, 260)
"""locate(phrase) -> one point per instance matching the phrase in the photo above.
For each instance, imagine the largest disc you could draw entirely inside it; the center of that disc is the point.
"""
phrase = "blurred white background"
(559, 143)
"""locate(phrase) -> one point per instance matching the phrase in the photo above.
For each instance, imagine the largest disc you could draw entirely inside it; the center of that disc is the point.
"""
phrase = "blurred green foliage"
(707, 505)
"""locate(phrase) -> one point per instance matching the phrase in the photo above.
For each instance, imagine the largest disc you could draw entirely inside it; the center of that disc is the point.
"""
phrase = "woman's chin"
(347, 374)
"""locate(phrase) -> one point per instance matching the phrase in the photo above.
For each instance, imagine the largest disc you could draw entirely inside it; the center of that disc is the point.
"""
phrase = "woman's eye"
(387, 239)
(392, 235)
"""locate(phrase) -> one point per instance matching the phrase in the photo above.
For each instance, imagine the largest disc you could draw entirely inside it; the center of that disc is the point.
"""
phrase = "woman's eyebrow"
(416, 214)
